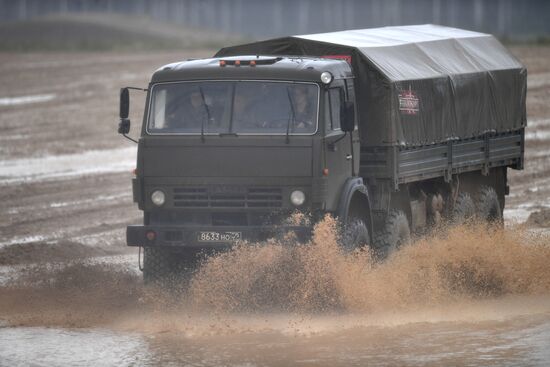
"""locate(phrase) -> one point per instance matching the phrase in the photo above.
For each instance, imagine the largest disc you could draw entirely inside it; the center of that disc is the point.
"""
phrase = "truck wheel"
(394, 234)
(464, 208)
(355, 234)
(155, 265)
(488, 205)
(168, 268)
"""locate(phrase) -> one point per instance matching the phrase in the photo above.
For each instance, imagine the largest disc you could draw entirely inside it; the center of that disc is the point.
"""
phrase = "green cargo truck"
(391, 130)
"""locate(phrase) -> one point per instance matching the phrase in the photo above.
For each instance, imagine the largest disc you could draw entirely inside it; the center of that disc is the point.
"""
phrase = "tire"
(355, 234)
(164, 267)
(488, 205)
(395, 233)
(464, 209)
(154, 265)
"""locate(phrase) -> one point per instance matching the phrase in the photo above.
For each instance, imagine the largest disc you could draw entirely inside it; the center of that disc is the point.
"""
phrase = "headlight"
(297, 197)
(158, 198)
(326, 77)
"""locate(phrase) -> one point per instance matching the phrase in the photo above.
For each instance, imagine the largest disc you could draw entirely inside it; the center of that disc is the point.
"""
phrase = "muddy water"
(465, 296)
(516, 341)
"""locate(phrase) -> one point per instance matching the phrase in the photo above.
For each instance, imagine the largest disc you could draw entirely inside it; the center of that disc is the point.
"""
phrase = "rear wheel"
(394, 233)
(488, 205)
(464, 208)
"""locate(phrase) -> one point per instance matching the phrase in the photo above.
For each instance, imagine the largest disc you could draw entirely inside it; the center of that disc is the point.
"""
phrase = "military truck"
(391, 130)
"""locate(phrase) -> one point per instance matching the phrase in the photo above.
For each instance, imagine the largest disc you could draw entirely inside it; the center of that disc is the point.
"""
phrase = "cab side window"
(335, 102)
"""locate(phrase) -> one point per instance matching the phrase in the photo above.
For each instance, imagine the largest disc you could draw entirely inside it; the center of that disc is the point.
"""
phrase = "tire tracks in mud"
(82, 213)
(86, 215)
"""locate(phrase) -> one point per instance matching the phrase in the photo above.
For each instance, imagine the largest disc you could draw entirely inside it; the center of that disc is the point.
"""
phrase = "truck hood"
(226, 157)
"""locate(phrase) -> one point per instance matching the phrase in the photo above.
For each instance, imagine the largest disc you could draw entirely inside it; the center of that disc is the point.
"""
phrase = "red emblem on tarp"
(409, 104)
(338, 57)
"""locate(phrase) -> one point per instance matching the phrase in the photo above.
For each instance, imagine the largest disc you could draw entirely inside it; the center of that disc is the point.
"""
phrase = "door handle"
(348, 156)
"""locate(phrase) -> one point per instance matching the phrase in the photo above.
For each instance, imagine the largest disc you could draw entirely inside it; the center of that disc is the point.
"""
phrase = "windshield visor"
(240, 107)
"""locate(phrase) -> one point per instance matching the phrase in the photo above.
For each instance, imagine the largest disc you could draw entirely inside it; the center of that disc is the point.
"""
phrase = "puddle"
(68, 165)
(14, 101)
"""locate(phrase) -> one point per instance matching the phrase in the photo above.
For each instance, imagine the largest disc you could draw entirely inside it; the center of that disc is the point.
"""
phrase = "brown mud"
(540, 218)
(461, 273)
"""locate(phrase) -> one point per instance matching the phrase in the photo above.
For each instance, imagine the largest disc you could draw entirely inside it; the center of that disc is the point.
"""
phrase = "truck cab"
(231, 147)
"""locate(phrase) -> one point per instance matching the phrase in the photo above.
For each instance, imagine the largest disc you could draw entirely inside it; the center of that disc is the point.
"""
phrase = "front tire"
(355, 235)
(161, 266)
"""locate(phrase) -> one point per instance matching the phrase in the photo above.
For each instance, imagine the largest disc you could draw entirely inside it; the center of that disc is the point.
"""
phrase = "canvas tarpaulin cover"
(418, 85)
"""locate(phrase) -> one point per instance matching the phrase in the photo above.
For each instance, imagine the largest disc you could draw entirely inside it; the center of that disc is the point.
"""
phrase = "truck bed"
(410, 164)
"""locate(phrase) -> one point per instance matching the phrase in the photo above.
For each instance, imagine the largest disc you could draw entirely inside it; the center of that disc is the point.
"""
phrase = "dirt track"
(53, 210)
(530, 188)
(58, 203)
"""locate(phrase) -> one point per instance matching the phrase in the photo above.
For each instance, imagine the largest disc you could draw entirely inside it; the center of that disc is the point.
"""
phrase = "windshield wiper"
(292, 117)
(207, 113)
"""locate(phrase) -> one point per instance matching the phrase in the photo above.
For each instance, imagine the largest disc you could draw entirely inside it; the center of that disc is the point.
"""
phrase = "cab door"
(338, 152)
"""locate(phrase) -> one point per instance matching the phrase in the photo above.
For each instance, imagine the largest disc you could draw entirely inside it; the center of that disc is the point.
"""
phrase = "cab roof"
(292, 68)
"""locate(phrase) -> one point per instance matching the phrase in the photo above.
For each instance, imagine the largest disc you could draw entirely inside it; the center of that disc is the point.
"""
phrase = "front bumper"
(190, 236)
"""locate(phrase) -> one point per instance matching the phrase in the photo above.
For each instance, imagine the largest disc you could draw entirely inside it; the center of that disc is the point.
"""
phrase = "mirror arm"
(129, 138)
(124, 124)
(340, 138)
(332, 144)
(136, 88)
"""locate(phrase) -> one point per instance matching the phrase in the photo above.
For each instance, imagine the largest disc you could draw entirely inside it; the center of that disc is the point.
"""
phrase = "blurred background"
(32, 23)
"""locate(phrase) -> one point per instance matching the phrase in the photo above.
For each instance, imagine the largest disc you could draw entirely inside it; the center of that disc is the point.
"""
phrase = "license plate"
(219, 236)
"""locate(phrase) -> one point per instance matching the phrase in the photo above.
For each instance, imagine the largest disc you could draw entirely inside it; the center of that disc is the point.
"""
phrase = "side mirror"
(124, 103)
(124, 111)
(347, 117)
(124, 126)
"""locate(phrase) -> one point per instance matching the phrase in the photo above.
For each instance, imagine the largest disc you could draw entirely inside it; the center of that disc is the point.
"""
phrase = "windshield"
(240, 107)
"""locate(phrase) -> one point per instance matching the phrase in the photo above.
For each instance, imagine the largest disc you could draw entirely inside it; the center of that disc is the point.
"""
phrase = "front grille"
(191, 217)
(227, 197)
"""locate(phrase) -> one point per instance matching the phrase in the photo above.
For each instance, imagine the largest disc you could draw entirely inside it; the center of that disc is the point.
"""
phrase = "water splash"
(467, 262)
(285, 283)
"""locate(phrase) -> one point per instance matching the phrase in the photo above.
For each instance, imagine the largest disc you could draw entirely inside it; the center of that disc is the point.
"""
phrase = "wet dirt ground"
(65, 198)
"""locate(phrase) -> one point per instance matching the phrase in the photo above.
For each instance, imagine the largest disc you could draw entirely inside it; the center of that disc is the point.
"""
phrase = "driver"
(304, 113)
(189, 114)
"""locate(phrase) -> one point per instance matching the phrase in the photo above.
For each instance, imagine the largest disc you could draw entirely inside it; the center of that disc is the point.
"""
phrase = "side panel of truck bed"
(405, 164)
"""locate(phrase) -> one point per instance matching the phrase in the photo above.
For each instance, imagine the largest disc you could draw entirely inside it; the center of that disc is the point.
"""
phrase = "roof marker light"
(326, 77)
(237, 63)
(252, 62)
(222, 63)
